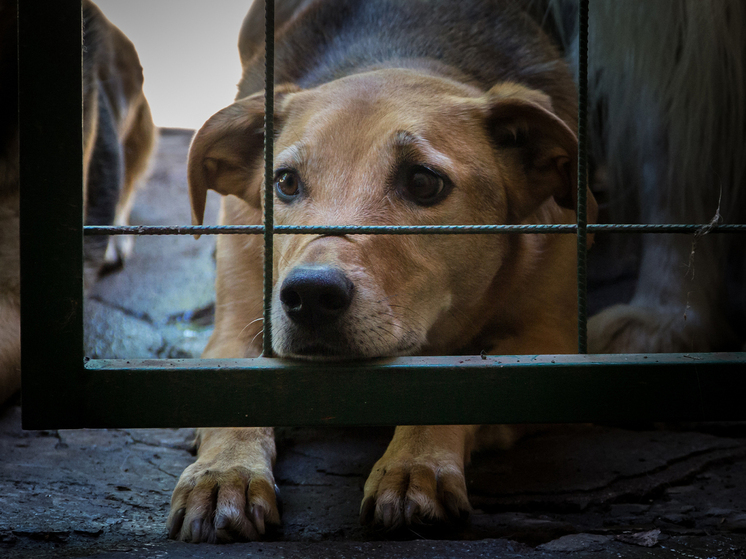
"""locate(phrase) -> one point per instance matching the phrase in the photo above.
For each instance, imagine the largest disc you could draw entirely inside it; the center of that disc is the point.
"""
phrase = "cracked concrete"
(104, 493)
(572, 491)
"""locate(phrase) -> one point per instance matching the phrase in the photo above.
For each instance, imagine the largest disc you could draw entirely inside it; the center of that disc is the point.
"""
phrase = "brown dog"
(119, 137)
(456, 112)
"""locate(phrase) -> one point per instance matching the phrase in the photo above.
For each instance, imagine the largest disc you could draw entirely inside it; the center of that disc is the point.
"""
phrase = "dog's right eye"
(287, 185)
(424, 186)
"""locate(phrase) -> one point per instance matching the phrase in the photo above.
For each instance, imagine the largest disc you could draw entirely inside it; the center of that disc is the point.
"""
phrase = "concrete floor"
(579, 491)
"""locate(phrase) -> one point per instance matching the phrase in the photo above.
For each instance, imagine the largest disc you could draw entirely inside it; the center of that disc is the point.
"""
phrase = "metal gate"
(63, 389)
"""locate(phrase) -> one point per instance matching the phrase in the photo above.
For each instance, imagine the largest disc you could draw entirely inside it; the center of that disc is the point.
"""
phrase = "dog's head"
(389, 147)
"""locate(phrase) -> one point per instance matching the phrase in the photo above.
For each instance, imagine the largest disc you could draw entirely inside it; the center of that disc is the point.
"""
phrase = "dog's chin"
(326, 352)
(321, 352)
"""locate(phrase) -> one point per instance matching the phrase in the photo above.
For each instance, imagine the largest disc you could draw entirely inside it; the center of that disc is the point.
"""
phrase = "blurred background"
(188, 52)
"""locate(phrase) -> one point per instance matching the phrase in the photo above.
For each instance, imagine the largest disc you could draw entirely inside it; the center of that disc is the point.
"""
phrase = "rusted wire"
(407, 229)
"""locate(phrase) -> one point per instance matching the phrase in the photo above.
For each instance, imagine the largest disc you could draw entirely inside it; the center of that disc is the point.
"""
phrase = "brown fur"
(353, 119)
(114, 77)
(119, 138)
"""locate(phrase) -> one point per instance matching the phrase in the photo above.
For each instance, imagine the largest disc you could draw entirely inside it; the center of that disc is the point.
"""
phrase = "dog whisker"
(260, 319)
(416, 320)
(257, 335)
(406, 333)
(419, 320)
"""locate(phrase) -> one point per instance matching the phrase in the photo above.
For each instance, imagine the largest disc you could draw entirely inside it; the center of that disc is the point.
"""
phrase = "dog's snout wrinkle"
(311, 294)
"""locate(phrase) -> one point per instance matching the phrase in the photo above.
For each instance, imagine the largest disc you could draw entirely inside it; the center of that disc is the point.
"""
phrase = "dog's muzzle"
(313, 296)
(321, 313)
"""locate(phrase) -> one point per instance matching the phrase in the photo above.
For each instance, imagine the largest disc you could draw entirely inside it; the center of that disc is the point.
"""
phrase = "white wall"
(188, 53)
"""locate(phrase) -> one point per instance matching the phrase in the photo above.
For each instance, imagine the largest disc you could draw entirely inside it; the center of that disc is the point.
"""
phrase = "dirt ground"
(579, 491)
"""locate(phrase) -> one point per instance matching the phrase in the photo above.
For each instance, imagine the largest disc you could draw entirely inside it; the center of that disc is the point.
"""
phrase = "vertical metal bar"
(582, 176)
(51, 168)
(269, 94)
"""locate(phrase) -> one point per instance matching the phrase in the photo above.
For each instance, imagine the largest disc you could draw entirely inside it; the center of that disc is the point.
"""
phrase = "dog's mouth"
(320, 352)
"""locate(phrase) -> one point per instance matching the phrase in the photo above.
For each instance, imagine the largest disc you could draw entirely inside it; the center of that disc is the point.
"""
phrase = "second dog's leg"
(138, 147)
(678, 303)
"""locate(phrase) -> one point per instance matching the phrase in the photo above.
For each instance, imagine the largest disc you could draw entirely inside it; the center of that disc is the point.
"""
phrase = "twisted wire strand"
(624, 228)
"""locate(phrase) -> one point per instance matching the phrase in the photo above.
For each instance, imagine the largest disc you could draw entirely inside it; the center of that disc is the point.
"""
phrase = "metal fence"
(63, 389)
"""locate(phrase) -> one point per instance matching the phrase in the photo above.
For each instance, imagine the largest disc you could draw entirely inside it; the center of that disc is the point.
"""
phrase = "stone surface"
(572, 468)
(105, 493)
(577, 542)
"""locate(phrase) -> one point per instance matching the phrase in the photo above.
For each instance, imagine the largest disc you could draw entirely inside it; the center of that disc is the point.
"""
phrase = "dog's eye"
(287, 185)
(425, 187)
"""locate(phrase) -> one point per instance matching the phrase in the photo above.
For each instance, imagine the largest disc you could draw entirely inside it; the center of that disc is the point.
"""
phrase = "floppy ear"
(540, 144)
(227, 151)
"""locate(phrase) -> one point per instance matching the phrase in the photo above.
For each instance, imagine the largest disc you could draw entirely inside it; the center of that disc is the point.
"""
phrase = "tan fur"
(438, 294)
(121, 76)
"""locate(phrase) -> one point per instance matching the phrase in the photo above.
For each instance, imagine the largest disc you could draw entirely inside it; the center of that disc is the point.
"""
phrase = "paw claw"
(257, 516)
(221, 522)
(367, 510)
(226, 505)
(411, 509)
(196, 528)
(175, 522)
(278, 499)
(455, 511)
(415, 492)
(390, 517)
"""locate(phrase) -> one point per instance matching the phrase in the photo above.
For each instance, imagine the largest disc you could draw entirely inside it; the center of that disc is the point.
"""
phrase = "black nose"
(311, 294)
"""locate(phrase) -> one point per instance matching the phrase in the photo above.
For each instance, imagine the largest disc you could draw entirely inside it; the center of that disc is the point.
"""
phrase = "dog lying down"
(456, 112)
(413, 113)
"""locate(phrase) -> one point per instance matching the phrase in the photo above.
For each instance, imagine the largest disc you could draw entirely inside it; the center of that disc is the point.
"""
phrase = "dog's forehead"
(381, 100)
(370, 117)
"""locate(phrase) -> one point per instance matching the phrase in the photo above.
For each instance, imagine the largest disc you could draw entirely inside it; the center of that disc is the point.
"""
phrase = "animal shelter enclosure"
(64, 389)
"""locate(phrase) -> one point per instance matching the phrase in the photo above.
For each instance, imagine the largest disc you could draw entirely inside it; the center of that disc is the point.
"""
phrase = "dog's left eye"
(287, 185)
(425, 187)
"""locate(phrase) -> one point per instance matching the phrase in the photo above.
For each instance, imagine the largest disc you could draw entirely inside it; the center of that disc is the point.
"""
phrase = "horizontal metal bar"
(406, 229)
(407, 390)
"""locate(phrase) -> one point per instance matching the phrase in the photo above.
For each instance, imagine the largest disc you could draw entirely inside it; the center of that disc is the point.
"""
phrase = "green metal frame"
(62, 389)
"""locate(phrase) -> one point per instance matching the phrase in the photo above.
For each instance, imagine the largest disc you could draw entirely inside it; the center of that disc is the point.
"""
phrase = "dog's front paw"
(414, 490)
(222, 504)
(638, 329)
